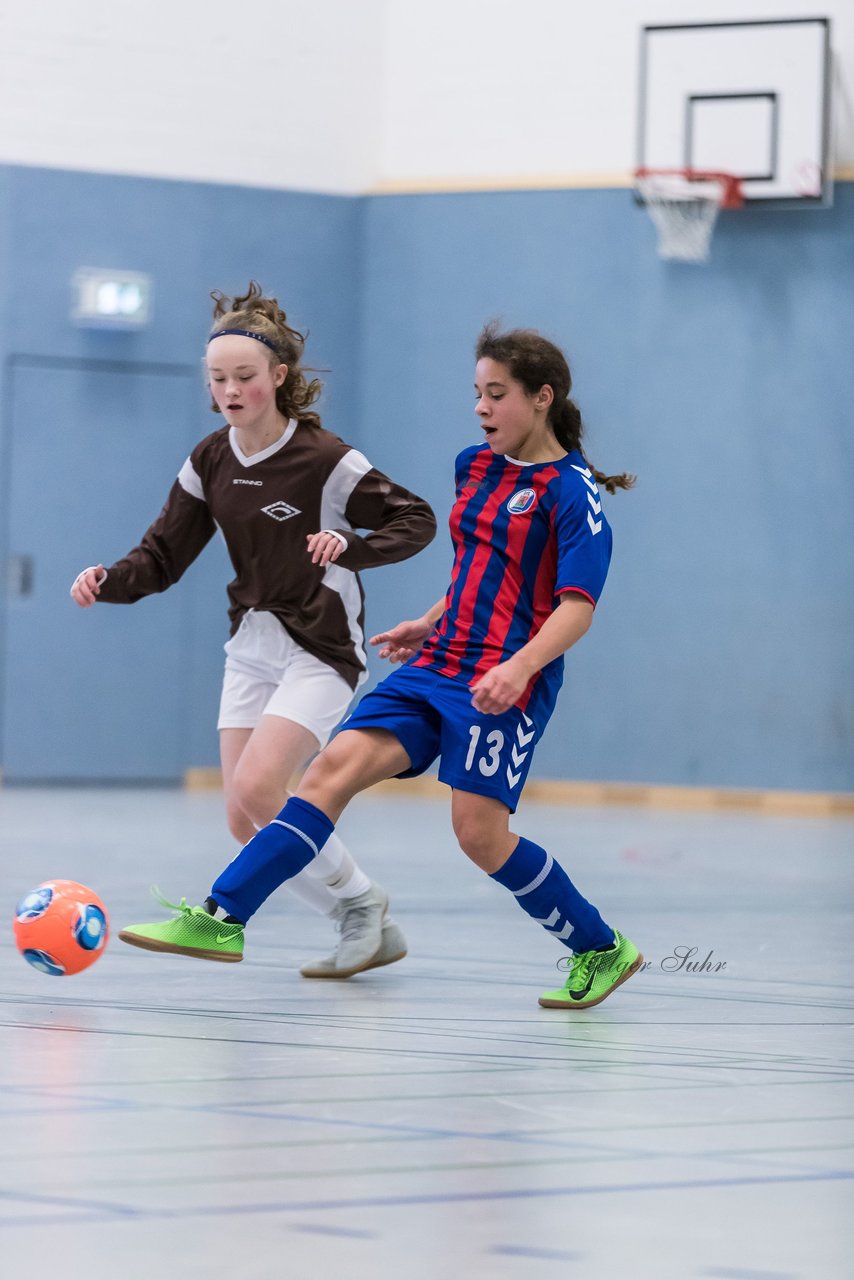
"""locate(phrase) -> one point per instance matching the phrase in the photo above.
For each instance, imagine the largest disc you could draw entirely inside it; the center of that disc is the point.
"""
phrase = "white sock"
(313, 892)
(334, 867)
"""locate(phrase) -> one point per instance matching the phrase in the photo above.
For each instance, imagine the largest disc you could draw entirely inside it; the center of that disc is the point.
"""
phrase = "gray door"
(92, 449)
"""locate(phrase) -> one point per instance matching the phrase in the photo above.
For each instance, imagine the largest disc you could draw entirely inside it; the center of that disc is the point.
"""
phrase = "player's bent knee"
(472, 840)
(351, 762)
(329, 774)
(255, 799)
(482, 838)
(239, 824)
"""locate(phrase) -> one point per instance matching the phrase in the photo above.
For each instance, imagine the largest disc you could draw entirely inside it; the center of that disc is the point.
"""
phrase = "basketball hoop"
(684, 205)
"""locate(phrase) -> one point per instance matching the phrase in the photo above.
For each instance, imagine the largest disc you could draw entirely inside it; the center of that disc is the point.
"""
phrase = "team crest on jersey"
(522, 500)
(281, 510)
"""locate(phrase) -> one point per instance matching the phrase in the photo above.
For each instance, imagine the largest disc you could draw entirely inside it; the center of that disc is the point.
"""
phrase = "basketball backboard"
(746, 98)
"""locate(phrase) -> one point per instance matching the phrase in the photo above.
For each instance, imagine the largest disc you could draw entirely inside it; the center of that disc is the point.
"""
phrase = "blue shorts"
(432, 715)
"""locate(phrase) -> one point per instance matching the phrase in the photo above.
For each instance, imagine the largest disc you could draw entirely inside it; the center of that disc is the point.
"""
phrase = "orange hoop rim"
(732, 196)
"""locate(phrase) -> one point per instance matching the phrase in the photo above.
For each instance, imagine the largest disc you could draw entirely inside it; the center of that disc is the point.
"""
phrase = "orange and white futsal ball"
(61, 927)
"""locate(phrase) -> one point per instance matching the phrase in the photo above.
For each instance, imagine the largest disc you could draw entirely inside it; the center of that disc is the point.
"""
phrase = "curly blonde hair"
(256, 314)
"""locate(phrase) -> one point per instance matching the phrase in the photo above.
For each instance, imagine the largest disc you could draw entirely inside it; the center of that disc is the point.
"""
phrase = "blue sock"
(279, 851)
(543, 889)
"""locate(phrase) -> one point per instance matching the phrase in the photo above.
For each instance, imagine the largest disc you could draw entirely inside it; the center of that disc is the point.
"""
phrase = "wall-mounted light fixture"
(111, 299)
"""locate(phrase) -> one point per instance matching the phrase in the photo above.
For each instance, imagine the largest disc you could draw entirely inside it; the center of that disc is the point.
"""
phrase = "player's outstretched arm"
(86, 587)
(401, 522)
(402, 642)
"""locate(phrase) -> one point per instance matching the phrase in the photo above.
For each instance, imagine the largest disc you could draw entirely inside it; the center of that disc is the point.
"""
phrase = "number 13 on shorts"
(490, 749)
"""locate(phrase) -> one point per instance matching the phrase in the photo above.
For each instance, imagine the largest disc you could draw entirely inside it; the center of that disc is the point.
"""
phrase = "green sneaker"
(193, 933)
(593, 975)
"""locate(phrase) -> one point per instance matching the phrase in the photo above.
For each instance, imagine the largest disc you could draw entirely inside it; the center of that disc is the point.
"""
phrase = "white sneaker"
(357, 919)
(360, 924)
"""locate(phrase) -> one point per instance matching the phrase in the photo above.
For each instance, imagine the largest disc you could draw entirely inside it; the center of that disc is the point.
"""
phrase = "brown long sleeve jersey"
(265, 506)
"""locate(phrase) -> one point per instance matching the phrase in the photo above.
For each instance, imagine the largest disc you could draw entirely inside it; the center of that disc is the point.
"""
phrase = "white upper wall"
(348, 95)
(274, 93)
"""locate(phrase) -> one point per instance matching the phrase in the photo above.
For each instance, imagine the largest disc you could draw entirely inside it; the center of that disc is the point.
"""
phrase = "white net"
(684, 212)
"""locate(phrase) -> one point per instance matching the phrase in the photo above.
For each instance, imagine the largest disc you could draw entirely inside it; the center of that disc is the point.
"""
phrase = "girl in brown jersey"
(288, 497)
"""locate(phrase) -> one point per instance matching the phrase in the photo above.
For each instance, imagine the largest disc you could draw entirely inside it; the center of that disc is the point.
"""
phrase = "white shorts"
(268, 674)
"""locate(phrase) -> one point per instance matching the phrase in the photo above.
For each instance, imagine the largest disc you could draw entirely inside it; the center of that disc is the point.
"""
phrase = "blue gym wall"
(721, 653)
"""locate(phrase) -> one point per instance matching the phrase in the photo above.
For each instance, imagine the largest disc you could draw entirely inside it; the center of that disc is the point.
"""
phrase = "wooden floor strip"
(795, 804)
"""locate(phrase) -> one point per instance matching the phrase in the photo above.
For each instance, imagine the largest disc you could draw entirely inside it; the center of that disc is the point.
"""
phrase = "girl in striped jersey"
(482, 671)
(287, 496)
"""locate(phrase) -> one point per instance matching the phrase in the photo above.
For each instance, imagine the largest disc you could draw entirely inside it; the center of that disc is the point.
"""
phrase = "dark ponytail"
(535, 363)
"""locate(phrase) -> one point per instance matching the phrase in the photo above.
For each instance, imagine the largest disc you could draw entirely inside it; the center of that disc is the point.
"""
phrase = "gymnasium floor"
(169, 1117)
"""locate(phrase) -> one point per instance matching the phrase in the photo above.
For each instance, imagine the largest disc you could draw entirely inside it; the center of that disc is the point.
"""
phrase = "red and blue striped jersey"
(522, 535)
